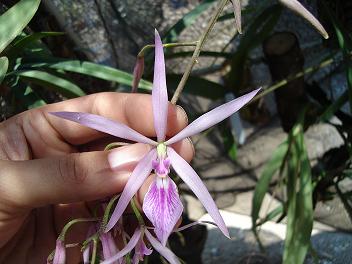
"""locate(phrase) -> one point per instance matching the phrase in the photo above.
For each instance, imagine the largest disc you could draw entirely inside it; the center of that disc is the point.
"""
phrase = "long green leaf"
(262, 185)
(4, 64)
(53, 82)
(25, 41)
(299, 203)
(173, 33)
(92, 69)
(332, 108)
(14, 20)
(345, 43)
(198, 86)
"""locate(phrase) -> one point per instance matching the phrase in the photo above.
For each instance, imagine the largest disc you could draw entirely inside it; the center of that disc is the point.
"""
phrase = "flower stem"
(94, 253)
(115, 145)
(197, 50)
(75, 221)
(166, 45)
(137, 213)
(107, 211)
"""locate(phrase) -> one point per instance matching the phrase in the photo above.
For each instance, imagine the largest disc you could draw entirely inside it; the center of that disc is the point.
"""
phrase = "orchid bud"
(298, 8)
(109, 246)
(60, 252)
(137, 73)
(237, 12)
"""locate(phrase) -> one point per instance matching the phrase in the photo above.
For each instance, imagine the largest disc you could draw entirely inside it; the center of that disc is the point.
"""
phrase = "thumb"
(65, 179)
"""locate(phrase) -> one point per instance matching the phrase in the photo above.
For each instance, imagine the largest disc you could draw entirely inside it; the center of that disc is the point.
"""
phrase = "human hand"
(49, 170)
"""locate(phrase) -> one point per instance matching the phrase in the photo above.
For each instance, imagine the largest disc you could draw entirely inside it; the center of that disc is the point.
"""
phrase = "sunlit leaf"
(25, 41)
(94, 70)
(299, 200)
(187, 20)
(14, 20)
(4, 64)
(50, 81)
(262, 185)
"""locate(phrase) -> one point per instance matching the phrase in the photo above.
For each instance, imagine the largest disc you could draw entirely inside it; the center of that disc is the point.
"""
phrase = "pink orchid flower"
(162, 204)
(136, 242)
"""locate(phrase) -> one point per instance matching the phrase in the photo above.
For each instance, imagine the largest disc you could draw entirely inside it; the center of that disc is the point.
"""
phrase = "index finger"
(134, 110)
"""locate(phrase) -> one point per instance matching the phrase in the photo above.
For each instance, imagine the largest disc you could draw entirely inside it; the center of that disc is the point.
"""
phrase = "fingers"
(74, 177)
(134, 110)
(65, 179)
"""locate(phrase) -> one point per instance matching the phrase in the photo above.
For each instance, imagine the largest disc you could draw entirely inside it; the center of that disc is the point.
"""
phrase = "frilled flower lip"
(162, 206)
(160, 113)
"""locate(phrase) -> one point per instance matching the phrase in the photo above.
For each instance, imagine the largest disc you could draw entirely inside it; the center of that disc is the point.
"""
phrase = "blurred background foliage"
(61, 54)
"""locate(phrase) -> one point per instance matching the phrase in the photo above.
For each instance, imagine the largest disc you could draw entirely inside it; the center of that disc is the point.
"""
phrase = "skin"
(51, 168)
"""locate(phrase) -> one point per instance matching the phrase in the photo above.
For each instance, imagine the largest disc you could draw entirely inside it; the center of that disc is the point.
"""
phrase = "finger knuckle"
(71, 169)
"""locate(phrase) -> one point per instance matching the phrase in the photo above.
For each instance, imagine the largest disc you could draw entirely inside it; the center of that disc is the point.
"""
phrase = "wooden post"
(285, 58)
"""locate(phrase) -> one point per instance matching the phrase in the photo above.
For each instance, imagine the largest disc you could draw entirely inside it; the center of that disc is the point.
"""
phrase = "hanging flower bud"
(137, 73)
(298, 8)
(237, 12)
(60, 252)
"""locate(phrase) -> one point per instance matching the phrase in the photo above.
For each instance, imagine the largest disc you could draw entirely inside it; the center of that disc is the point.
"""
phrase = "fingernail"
(126, 158)
(181, 114)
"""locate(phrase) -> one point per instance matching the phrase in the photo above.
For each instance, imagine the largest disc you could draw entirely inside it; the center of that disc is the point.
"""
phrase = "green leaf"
(4, 64)
(31, 99)
(332, 108)
(198, 86)
(50, 81)
(299, 203)
(92, 69)
(25, 41)
(25, 97)
(14, 20)
(173, 33)
(262, 185)
(345, 43)
(279, 210)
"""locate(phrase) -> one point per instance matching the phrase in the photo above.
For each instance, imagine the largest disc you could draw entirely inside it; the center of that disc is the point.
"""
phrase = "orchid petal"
(159, 92)
(137, 73)
(138, 176)
(299, 9)
(237, 12)
(86, 254)
(212, 117)
(60, 252)
(163, 207)
(109, 247)
(140, 251)
(164, 251)
(105, 125)
(191, 178)
(128, 248)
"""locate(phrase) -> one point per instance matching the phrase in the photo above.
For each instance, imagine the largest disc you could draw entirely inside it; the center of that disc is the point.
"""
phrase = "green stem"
(166, 45)
(293, 77)
(115, 145)
(107, 211)
(137, 213)
(94, 253)
(75, 221)
(197, 50)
